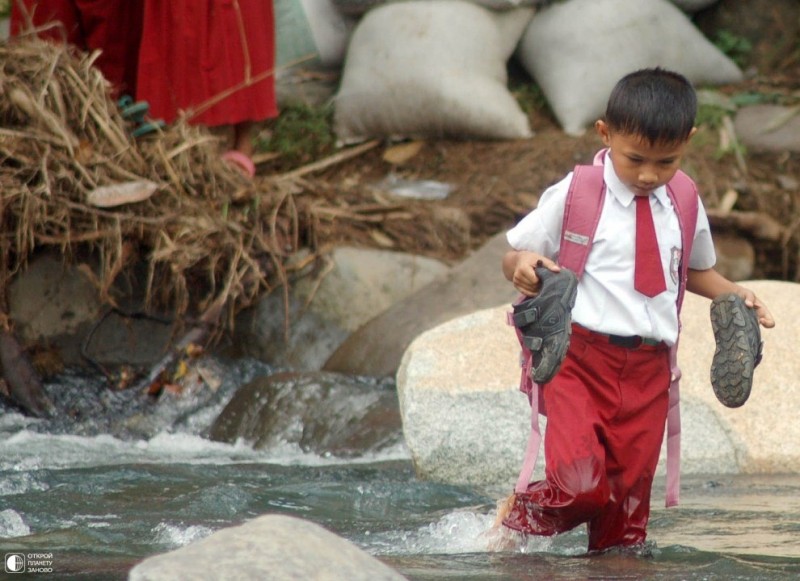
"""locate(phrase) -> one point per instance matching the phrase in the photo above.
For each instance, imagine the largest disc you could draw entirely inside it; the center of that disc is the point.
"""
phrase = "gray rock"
(464, 419)
(56, 304)
(49, 299)
(326, 413)
(769, 127)
(476, 283)
(324, 310)
(736, 257)
(273, 547)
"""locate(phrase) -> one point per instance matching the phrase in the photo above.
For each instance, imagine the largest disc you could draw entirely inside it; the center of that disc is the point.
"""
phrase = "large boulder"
(376, 348)
(269, 547)
(325, 308)
(466, 422)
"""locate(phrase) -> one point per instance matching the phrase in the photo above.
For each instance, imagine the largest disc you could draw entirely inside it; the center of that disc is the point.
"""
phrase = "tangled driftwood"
(72, 177)
(209, 236)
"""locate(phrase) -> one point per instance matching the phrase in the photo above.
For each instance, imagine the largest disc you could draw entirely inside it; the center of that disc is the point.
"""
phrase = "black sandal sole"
(738, 349)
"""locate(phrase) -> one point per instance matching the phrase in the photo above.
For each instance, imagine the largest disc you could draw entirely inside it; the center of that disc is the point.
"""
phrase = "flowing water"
(93, 496)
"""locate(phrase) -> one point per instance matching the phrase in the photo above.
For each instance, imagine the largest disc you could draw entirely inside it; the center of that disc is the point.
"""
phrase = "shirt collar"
(621, 192)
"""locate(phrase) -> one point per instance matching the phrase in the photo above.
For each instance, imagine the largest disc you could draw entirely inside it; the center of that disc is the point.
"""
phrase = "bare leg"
(243, 134)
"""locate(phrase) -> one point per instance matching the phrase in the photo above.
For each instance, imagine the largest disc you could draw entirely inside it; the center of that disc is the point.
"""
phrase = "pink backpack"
(581, 215)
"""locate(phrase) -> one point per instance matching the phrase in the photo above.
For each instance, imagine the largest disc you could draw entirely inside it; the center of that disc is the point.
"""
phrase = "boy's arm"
(710, 284)
(518, 267)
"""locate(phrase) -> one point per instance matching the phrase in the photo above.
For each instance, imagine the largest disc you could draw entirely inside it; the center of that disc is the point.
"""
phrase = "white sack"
(431, 69)
(578, 50)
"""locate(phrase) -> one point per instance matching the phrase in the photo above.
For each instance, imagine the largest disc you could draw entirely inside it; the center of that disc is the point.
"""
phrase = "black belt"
(628, 342)
(632, 342)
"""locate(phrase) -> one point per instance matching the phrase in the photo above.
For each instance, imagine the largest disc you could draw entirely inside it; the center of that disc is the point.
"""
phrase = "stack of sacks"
(431, 68)
(577, 50)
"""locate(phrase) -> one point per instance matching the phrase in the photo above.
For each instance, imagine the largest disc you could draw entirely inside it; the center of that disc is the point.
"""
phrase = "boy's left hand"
(762, 312)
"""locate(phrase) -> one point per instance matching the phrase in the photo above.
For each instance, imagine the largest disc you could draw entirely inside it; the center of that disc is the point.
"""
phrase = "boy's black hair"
(656, 104)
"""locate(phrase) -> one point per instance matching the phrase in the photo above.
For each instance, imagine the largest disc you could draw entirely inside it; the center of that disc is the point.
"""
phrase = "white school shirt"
(606, 300)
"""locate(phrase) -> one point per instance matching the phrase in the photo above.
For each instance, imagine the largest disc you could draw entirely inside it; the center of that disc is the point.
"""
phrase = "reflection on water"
(99, 504)
(742, 515)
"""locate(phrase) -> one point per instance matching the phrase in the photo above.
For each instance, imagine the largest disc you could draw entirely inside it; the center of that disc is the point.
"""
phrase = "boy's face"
(640, 165)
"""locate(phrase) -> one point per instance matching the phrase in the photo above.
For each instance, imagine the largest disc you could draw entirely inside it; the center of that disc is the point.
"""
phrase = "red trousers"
(112, 26)
(606, 413)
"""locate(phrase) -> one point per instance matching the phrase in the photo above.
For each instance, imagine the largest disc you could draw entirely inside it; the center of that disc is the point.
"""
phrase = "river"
(89, 496)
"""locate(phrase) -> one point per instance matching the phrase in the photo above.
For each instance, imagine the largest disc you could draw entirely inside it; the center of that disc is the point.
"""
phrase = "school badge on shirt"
(674, 263)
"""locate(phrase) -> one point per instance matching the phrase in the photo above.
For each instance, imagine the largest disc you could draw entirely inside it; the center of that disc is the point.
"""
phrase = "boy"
(607, 404)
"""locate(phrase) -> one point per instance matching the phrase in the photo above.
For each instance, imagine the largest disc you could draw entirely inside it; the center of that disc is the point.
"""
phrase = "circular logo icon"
(15, 563)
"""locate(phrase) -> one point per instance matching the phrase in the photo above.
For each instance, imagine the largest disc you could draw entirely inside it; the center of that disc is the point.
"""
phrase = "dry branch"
(757, 224)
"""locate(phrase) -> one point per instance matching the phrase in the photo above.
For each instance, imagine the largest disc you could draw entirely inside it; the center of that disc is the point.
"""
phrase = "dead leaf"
(118, 194)
(399, 154)
(381, 239)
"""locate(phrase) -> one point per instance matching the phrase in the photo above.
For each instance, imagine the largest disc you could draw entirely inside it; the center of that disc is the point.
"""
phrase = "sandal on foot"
(545, 322)
(241, 162)
(148, 126)
(739, 349)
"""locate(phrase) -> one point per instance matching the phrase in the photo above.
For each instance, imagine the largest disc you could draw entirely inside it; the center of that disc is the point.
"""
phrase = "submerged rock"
(324, 413)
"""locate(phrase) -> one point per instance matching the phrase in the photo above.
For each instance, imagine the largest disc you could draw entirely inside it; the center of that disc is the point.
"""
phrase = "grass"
(737, 48)
(301, 134)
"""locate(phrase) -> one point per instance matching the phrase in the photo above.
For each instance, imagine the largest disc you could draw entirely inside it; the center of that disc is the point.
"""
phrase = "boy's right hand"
(519, 266)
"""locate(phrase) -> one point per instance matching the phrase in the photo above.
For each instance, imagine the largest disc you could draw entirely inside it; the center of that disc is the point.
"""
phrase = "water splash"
(12, 525)
(174, 536)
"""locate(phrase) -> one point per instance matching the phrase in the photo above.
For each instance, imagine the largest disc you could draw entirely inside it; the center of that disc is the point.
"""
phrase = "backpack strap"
(581, 215)
(683, 193)
(531, 389)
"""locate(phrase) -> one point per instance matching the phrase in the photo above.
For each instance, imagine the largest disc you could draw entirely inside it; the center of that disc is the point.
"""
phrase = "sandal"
(241, 162)
(135, 112)
(148, 126)
(545, 322)
(739, 349)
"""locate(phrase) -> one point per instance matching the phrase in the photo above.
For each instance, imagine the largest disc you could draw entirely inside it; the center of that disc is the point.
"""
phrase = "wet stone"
(324, 413)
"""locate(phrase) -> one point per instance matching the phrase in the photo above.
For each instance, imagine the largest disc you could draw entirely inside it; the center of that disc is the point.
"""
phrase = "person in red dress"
(111, 26)
(211, 61)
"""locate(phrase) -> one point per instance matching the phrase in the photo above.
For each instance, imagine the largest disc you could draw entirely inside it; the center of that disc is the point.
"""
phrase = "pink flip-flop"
(241, 162)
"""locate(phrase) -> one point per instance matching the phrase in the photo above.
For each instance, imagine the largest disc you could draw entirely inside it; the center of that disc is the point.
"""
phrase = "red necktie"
(648, 276)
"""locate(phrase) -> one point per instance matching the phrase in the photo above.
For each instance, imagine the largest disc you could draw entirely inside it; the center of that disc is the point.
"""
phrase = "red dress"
(212, 59)
(112, 26)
